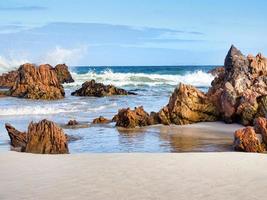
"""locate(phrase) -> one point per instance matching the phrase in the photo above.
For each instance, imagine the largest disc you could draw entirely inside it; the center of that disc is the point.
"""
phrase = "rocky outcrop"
(72, 123)
(7, 80)
(101, 120)
(187, 105)
(37, 83)
(217, 71)
(18, 139)
(91, 88)
(44, 137)
(252, 139)
(63, 74)
(240, 92)
(128, 118)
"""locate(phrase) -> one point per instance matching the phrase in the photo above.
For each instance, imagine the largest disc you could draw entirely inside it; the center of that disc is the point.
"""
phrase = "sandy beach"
(133, 176)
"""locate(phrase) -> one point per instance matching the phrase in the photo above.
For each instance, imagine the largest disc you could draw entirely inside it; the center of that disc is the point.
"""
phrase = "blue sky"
(137, 32)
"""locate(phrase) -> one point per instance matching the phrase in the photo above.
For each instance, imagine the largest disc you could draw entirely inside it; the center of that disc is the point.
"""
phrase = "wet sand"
(180, 176)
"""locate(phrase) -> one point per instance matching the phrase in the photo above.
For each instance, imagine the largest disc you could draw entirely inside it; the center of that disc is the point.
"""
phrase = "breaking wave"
(197, 78)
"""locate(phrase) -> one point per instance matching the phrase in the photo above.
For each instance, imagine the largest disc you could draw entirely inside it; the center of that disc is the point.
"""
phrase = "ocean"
(153, 84)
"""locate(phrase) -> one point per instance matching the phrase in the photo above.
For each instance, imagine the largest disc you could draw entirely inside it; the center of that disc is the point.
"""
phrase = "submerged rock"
(128, 118)
(101, 120)
(240, 92)
(63, 74)
(37, 83)
(91, 88)
(44, 137)
(187, 105)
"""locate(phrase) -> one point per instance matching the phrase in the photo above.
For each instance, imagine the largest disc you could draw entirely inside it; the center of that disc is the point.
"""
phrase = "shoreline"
(199, 176)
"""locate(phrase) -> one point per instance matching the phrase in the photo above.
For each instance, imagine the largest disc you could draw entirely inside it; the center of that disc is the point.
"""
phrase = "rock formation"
(240, 91)
(63, 74)
(37, 83)
(252, 139)
(101, 120)
(91, 88)
(187, 105)
(72, 123)
(7, 80)
(128, 118)
(44, 137)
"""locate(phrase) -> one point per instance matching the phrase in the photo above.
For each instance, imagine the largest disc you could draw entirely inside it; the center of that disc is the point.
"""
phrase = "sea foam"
(197, 78)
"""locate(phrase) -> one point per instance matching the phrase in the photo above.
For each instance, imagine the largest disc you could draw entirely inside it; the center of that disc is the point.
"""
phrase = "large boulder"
(37, 83)
(240, 91)
(7, 80)
(91, 88)
(188, 105)
(63, 74)
(128, 118)
(44, 137)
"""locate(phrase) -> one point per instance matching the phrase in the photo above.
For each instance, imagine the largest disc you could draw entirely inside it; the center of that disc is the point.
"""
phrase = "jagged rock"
(247, 140)
(44, 137)
(18, 139)
(217, 71)
(72, 123)
(7, 80)
(188, 105)
(63, 74)
(37, 83)
(239, 92)
(128, 118)
(91, 88)
(101, 120)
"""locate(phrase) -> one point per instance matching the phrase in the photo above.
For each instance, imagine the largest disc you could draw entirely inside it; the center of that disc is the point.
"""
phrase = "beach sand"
(133, 176)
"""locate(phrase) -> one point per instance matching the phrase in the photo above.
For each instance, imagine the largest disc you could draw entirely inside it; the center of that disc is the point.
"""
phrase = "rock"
(72, 123)
(247, 140)
(91, 88)
(73, 138)
(188, 105)
(128, 118)
(101, 120)
(239, 92)
(7, 80)
(217, 71)
(18, 139)
(261, 128)
(44, 137)
(63, 74)
(37, 83)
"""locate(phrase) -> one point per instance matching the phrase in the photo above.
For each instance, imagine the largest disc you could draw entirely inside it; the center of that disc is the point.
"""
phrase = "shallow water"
(153, 85)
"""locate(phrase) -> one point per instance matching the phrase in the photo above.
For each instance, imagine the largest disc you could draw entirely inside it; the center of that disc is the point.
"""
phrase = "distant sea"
(153, 84)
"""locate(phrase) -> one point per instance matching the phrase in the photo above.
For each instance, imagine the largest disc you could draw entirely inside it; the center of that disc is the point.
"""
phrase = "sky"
(136, 32)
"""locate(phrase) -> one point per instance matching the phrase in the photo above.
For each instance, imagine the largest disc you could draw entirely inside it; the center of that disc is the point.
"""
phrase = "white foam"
(197, 78)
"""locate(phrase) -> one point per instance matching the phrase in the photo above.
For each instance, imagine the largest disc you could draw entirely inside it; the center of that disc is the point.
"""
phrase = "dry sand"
(186, 176)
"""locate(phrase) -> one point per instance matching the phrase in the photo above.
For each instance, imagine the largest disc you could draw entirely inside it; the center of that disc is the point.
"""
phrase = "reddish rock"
(7, 80)
(37, 83)
(91, 88)
(261, 128)
(101, 120)
(188, 105)
(63, 74)
(128, 118)
(238, 92)
(18, 139)
(44, 137)
(246, 140)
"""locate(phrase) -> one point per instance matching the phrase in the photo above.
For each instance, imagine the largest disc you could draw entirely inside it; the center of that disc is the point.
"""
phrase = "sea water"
(153, 84)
